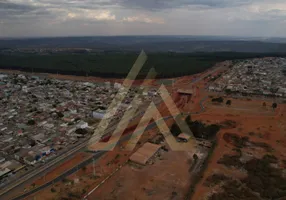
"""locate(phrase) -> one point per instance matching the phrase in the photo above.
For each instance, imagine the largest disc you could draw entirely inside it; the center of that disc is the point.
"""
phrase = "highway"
(59, 178)
(20, 183)
(82, 164)
(48, 166)
(41, 170)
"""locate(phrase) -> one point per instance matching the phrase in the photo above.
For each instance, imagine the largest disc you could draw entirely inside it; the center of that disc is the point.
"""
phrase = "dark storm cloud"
(48, 8)
(6, 6)
(10, 10)
(88, 17)
(169, 4)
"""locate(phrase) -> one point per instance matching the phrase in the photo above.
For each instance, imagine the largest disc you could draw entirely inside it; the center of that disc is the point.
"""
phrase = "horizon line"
(158, 35)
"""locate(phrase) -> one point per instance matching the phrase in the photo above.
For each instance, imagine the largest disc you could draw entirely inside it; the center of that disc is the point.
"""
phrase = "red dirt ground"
(269, 127)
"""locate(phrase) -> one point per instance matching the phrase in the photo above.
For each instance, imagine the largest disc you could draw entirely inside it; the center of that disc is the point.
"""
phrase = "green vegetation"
(117, 65)
(263, 180)
(234, 190)
(199, 129)
(198, 176)
(218, 100)
(231, 161)
(228, 102)
(31, 122)
(215, 179)
(274, 106)
(241, 142)
(236, 140)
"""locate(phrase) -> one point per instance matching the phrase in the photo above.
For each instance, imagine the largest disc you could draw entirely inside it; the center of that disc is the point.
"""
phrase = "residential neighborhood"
(42, 118)
(254, 77)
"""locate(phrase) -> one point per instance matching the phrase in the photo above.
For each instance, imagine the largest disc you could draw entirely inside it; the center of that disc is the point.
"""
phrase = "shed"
(143, 154)
(184, 137)
(186, 91)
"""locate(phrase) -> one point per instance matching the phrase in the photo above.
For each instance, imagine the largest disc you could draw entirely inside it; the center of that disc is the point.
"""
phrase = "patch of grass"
(215, 179)
(231, 161)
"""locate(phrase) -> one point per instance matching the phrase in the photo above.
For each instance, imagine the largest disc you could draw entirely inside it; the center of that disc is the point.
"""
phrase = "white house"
(82, 125)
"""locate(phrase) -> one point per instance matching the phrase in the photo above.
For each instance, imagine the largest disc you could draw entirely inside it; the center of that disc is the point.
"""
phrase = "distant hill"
(154, 43)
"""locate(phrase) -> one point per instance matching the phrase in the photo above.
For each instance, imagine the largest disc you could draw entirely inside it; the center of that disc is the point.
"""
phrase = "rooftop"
(143, 154)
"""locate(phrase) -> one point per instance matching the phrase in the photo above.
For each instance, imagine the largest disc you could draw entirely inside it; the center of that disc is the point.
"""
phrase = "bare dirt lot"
(266, 131)
(167, 178)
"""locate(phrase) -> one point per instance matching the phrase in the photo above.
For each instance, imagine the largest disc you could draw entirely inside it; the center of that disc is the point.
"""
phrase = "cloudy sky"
(27, 18)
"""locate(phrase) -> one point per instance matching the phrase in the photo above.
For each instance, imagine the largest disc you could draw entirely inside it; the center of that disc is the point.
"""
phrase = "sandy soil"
(81, 182)
(167, 178)
(268, 127)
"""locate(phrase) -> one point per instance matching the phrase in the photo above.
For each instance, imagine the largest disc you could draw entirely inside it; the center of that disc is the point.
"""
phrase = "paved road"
(63, 157)
(41, 170)
(59, 178)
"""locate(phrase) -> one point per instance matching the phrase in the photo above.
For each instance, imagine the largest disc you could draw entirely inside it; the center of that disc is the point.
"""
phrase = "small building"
(41, 137)
(184, 137)
(30, 160)
(21, 155)
(143, 154)
(4, 172)
(82, 125)
(117, 85)
(45, 151)
(2, 159)
(98, 115)
(12, 165)
(3, 76)
(186, 91)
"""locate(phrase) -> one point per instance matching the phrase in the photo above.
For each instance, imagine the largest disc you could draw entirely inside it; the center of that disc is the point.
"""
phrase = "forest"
(118, 64)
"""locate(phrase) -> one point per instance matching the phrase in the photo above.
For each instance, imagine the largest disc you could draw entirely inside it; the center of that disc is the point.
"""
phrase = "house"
(30, 160)
(46, 151)
(117, 85)
(183, 137)
(82, 125)
(69, 132)
(3, 76)
(21, 155)
(4, 172)
(2, 159)
(12, 165)
(41, 137)
(98, 115)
